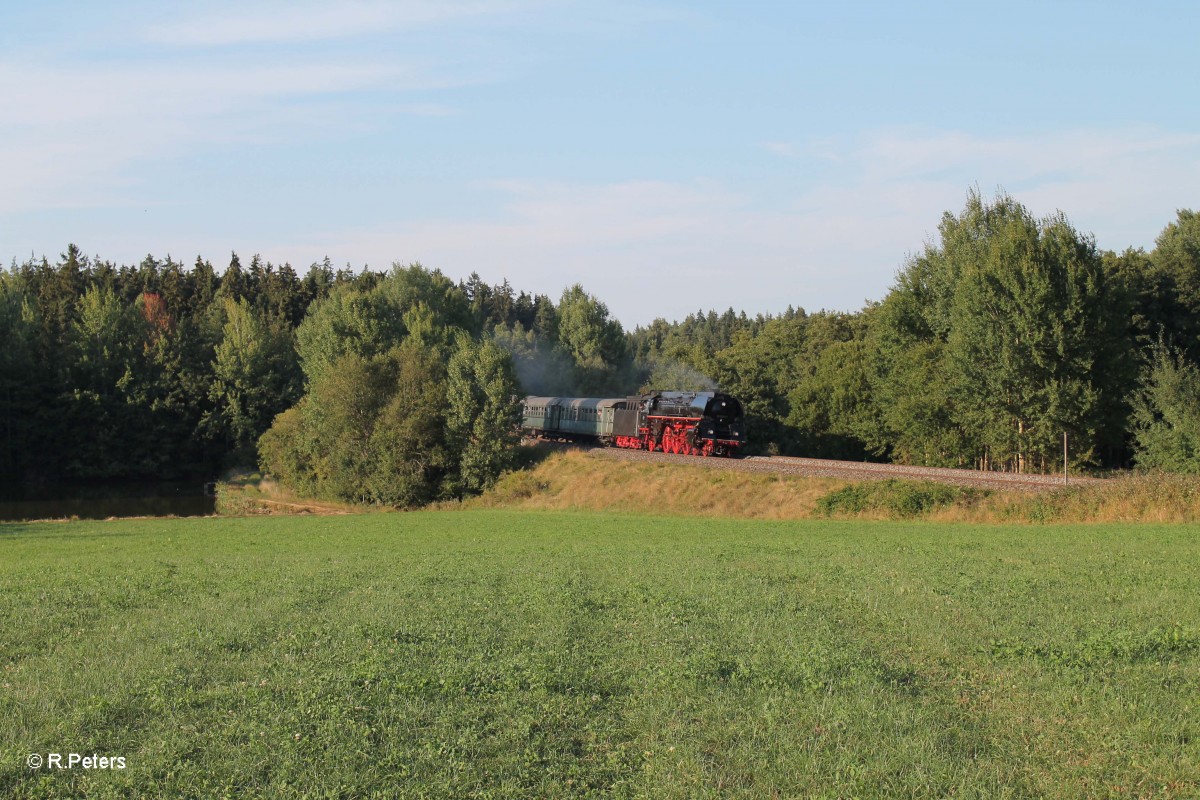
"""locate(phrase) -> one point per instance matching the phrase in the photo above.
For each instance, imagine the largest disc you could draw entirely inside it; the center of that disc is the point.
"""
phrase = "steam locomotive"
(691, 423)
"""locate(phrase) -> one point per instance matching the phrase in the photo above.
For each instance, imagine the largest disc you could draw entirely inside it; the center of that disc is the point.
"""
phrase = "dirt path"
(299, 508)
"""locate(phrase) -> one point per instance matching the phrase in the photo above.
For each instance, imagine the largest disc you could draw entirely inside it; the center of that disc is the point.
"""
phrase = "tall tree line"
(995, 340)
(150, 371)
(394, 387)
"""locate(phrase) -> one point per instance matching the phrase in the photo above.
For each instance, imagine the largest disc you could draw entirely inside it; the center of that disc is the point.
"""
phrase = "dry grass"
(575, 480)
(1157, 497)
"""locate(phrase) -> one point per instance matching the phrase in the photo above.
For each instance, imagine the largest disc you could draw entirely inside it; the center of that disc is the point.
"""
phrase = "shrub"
(1166, 415)
(895, 498)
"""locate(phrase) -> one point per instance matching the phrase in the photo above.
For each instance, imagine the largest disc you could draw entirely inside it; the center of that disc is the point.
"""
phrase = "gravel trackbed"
(855, 471)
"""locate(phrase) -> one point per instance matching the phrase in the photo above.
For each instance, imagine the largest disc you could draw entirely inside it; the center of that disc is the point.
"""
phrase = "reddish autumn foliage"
(154, 310)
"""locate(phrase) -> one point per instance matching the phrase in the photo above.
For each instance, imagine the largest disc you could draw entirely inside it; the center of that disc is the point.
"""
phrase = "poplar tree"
(1176, 261)
(595, 342)
(1000, 340)
(483, 414)
(1036, 347)
(254, 375)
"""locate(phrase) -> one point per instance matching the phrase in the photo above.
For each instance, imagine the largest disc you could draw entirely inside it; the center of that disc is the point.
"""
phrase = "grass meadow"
(557, 654)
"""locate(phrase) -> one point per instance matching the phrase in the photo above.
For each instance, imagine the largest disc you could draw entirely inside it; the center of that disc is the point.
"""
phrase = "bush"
(518, 485)
(1166, 415)
(895, 498)
(233, 501)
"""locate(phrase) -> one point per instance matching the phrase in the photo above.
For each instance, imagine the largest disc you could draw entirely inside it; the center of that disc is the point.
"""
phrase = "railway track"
(856, 471)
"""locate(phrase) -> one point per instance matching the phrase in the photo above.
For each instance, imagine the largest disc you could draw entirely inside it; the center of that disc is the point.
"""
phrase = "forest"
(399, 387)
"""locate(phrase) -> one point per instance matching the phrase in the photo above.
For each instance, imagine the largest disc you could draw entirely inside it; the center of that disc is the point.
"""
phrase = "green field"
(506, 654)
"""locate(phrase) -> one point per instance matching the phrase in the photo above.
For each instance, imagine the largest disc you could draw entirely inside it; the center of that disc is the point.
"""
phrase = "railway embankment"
(630, 481)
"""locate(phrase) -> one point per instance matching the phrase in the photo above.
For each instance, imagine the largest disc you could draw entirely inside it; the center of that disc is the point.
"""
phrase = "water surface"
(161, 499)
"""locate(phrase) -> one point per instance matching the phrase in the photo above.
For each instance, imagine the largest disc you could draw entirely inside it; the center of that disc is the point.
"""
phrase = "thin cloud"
(427, 109)
(55, 95)
(76, 129)
(81, 132)
(647, 248)
(909, 154)
(1123, 185)
(652, 248)
(298, 23)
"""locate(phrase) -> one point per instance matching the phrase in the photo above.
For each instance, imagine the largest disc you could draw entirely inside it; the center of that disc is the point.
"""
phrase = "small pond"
(158, 499)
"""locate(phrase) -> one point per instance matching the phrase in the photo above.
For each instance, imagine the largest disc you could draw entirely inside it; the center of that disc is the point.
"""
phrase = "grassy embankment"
(578, 480)
(590, 481)
(523, 654)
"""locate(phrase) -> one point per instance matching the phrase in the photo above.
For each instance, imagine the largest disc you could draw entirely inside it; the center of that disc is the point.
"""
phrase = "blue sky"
(669, 156)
